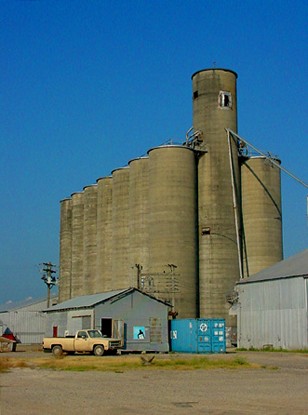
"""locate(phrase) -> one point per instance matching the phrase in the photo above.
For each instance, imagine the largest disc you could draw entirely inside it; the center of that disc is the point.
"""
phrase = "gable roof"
(88, 301)
(17, 305)
(294, 266)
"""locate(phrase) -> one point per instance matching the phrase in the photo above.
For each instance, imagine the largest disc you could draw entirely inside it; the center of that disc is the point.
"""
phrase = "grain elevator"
(183, 223)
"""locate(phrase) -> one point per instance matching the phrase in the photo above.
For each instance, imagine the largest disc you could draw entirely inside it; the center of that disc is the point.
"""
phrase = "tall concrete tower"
(77, 244)
(138, 220)
(65, 281)
(172, 226)
(89, 238)
(262, 217)
(120, 228)
(104, 280)
(214, 110)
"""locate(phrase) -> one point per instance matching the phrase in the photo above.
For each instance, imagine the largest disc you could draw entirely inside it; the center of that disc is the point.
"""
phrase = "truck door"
(82, 343)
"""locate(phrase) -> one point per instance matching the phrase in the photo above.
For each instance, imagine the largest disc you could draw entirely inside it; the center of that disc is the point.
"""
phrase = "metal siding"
(85, 300)
(28, 326)
(137, 309)
(294, 266)
(183, 337)
(75, 319)
(27, 322)
(198, 335)
(34, 307)
(273, 313)
(58, 319)
(218, 341)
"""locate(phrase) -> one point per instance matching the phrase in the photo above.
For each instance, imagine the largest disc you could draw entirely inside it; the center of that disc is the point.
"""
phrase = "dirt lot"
(278, 387)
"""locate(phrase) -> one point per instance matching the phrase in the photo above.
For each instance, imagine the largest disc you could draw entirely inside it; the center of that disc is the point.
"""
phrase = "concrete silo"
(103, 281)
(65, 250)
(89, 238)
(77, 244)
(120, 228)
(214, 110)
(138, 219)
(172, 228)
(261, 209)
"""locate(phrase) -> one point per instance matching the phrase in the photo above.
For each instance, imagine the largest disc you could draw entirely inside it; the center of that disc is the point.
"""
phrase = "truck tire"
(98, 350)
(57, 351)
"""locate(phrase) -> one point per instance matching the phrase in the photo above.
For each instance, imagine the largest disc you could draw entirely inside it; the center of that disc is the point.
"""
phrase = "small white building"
(271, 306)
(25, 319)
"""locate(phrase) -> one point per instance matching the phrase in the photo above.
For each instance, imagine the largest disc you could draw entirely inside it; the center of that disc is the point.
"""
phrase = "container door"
(219, 336)
(183, 336)
(204, 330)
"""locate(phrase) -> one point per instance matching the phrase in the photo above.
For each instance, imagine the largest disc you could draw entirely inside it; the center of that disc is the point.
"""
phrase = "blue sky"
(88, 85)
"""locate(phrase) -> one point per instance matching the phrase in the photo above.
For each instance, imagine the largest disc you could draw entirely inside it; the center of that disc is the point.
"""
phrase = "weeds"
(121, 364)
(8, 363)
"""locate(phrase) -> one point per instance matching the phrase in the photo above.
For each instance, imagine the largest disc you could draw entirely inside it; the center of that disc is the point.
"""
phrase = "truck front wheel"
(57, 351)
(99, 350)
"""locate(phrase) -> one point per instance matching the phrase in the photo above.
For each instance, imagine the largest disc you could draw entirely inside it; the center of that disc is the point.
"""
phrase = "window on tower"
(225, 99)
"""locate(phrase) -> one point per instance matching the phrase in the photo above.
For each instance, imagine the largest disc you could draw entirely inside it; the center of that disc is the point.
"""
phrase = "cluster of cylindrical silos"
(183, 223)
(135, 228)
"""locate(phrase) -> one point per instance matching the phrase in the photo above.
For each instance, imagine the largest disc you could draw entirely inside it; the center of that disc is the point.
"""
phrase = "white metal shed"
(25, 319)
(271, 306)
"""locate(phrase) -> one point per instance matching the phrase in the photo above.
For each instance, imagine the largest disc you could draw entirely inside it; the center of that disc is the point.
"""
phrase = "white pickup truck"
(85, 341)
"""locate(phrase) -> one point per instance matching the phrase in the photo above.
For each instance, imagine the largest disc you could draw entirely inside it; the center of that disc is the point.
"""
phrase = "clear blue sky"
(88, 85)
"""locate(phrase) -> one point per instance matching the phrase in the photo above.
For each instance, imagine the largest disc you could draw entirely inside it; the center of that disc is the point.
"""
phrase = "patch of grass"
(4, 365)
(205, 363)
(120, 364)
(7, 363)
(240, 361)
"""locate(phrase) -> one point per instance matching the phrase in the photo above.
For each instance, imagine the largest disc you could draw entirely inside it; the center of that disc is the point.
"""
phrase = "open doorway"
(106, 327)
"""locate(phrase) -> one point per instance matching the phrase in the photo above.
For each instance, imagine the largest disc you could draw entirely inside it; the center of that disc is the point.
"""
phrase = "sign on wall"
(139, 332)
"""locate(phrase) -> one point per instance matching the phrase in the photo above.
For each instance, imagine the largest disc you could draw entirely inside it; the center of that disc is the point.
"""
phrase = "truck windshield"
(95, 333)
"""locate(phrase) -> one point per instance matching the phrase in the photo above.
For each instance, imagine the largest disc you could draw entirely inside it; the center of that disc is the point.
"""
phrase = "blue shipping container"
(198, 336)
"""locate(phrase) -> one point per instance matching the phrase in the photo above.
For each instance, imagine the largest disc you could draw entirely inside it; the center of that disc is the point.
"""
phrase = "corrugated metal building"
(25, 319)
(272, 306)
(138, 318)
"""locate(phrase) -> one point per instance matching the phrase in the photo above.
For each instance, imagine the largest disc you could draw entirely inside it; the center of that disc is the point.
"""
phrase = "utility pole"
(49, 279)
(139, 269)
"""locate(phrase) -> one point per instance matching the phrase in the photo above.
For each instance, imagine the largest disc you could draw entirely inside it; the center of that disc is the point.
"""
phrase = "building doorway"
(106, 327)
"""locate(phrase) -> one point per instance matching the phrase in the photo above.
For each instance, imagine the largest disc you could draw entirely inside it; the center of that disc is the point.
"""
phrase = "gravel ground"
(280, 388)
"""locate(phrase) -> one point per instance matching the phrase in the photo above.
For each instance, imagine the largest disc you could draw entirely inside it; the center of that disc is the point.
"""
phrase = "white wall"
(273, 313)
